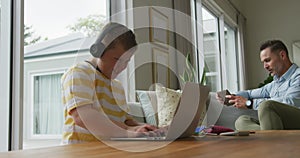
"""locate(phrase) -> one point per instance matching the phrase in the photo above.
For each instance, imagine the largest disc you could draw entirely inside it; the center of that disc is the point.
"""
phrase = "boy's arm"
(139, 127)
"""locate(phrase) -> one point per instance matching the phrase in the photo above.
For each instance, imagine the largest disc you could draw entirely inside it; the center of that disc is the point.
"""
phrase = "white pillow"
(167, 102)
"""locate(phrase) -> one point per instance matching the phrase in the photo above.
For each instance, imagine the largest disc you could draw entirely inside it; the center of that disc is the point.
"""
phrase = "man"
(278, 103)
(94, 101)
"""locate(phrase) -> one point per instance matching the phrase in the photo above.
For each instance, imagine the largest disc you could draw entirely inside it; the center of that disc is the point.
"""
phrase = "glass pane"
(231, 58)
(57, 34)
(48, 114)
(211, 50)
(3, 122)
(211, 80)
(5, 62)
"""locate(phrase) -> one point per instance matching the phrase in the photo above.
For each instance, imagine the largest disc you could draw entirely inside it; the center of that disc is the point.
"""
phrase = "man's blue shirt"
(285, 89)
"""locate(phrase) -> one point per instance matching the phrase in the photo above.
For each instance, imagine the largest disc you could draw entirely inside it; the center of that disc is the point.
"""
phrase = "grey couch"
(217, 114)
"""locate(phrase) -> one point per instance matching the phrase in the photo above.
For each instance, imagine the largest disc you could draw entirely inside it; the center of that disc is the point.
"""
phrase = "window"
(211, 49)
(56, 35)
(219, 47)
(5, 27)
(47, 105)
(231, 55)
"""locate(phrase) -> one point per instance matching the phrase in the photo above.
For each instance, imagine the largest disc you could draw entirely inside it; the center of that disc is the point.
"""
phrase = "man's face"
(273, 62)
(114, 61)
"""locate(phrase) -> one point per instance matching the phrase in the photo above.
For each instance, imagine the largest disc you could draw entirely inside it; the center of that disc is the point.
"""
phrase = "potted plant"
(190, 72)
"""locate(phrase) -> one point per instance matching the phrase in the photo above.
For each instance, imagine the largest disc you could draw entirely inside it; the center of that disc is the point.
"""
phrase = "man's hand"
(237, 101)
(219, 98)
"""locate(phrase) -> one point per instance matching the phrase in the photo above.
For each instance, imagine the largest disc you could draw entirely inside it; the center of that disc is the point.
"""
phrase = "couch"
(217, 114)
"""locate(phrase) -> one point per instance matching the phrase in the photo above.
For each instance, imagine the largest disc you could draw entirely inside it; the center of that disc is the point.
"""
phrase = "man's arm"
(256, 95)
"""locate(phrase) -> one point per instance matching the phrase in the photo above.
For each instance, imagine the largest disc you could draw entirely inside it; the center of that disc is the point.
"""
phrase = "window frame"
(223, 20)
(5, 80)
(17, 62)
(30, 130)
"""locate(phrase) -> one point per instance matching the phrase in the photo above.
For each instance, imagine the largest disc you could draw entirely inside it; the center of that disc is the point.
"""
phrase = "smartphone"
(222, 94)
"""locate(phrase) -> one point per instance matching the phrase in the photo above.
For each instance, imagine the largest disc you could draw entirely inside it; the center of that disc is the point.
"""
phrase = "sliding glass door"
(211, 49)
(220, 53)
(57, 35)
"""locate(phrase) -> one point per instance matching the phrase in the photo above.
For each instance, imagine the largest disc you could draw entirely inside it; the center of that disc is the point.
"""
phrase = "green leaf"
(203, 78)
(186, 76)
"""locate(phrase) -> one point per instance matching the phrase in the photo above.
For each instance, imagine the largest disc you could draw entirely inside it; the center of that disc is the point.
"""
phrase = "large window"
(219, 47)
(57, 34)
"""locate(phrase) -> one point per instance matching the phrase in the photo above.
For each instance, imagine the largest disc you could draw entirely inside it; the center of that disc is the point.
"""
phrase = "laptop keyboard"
(160, 132)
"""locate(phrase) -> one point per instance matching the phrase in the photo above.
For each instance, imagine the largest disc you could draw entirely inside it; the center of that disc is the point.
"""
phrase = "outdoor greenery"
(266, 81)
(30, 37)
(90, 26)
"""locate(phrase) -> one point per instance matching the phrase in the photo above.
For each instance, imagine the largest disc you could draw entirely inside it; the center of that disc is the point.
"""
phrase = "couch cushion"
(230, 114)
(148, 103)
(167, 102)
(136, 111)
(219, 114)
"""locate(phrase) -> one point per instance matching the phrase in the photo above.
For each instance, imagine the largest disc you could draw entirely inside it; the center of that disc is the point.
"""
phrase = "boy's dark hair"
(274, 45)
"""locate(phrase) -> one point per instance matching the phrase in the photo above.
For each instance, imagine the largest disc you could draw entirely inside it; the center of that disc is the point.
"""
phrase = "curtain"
(241, 50)
(48, 112)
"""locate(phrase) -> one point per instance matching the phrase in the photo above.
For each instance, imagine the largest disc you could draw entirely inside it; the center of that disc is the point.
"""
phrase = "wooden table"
(261, 144)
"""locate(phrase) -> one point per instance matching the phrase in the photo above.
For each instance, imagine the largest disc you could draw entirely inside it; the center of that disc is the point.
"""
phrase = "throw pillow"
(148, 102)
(167, 102)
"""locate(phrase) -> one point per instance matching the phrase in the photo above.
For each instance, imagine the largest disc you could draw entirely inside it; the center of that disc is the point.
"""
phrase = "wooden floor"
(267, 144)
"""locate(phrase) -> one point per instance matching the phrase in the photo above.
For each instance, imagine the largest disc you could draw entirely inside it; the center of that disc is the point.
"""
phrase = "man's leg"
(275, 116)
(245, 122)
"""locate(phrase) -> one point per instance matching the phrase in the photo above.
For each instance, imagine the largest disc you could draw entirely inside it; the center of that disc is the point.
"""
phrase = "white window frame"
(5, 93)
(17, 55)
(32, 75)
(223, 16)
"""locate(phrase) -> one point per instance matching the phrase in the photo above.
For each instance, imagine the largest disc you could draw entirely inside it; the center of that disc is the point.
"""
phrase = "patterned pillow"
(167, 102)
(149, 105)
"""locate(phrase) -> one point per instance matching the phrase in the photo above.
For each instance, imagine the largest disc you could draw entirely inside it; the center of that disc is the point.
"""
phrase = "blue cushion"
(148, 101)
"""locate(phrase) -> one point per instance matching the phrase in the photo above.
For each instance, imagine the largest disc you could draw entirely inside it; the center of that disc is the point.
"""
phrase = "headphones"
(115, 30)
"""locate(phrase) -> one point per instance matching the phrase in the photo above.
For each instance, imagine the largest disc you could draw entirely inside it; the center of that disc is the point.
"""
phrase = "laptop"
(190, 112)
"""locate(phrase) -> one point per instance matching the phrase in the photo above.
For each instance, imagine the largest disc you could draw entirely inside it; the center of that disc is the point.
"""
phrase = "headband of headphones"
(114, 30)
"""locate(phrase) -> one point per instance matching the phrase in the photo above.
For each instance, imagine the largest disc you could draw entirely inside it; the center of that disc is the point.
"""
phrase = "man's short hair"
(274, 45)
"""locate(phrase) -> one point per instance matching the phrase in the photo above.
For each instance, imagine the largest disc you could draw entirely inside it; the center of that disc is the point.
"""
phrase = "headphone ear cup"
(97, 49)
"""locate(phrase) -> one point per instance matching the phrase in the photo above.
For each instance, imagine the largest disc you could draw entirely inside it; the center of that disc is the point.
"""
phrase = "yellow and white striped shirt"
(83, 85)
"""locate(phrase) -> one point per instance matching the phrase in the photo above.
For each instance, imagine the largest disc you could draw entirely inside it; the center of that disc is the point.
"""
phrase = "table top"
(261, 144)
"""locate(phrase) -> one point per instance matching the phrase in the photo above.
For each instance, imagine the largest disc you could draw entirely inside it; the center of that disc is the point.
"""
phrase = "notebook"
(190, 112)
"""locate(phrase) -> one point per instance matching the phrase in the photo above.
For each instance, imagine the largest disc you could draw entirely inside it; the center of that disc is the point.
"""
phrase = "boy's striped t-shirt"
(83, 85)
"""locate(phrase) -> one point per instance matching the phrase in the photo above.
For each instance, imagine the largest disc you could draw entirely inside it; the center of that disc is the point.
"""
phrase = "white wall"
(267, 19)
